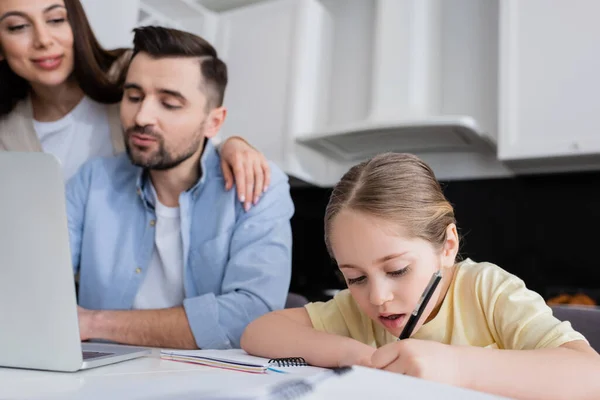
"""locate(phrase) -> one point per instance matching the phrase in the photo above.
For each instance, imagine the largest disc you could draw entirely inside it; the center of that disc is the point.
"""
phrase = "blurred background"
(500, 97)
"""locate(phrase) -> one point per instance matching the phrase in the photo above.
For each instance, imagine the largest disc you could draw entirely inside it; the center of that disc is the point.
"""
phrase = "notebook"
(236, 359)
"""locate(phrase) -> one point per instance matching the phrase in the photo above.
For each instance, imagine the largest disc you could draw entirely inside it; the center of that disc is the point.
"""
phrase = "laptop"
(39, 328)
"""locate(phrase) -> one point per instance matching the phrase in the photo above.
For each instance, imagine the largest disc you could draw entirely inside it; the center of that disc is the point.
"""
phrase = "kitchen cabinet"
(549, 84)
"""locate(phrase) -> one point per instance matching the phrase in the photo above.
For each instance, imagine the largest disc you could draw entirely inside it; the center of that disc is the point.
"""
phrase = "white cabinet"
(278, 62)
(256, 43)
(549, 103)
(112, 20)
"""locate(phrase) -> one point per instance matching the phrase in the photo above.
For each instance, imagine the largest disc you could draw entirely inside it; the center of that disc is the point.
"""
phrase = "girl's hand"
(357, 353)
(421, 359)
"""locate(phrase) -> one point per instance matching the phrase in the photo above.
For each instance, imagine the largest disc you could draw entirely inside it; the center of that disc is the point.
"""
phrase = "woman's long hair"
(91, 66)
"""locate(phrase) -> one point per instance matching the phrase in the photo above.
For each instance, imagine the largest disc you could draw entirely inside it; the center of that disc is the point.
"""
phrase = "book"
(234, 359)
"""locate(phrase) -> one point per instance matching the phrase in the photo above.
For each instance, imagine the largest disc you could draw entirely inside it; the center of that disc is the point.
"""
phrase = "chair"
(584, 319)
(295, 300)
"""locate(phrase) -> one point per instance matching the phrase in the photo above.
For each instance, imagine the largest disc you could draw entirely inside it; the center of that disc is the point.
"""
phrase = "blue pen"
(418, 311)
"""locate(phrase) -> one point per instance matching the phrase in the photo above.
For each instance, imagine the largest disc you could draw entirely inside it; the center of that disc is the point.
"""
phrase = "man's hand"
(422, 359)
(250, 168)
(86, 318)
(167, 327)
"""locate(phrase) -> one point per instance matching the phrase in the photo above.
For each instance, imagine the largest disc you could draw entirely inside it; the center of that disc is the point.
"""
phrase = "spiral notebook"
(235, 359)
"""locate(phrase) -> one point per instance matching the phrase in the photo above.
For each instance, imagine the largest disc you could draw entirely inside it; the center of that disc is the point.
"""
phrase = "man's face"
(164, 111)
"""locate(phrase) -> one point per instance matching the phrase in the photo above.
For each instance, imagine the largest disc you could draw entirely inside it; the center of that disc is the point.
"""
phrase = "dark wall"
(545, 229)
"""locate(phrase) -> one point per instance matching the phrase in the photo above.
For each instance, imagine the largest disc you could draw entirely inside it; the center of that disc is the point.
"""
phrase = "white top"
(163, 285)
(82, 134)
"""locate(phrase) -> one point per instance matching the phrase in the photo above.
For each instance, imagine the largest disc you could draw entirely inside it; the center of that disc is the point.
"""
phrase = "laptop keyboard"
(94, 354)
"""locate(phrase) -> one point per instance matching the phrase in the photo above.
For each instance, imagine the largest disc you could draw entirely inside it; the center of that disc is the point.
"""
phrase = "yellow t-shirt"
(485, 306)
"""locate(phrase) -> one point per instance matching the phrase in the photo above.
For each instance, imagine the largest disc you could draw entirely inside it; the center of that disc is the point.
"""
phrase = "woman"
(60, 93)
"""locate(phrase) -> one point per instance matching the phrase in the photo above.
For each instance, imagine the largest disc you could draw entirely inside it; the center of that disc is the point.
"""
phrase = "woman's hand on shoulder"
(247, 167)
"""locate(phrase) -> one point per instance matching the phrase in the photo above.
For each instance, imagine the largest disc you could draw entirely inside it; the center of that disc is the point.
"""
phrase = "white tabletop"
(152, 378)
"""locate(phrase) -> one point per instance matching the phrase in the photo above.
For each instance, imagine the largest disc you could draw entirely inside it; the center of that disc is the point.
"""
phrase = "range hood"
(434, 134)
(415, 104)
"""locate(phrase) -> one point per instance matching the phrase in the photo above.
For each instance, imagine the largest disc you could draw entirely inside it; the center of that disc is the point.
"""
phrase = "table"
(155, 379)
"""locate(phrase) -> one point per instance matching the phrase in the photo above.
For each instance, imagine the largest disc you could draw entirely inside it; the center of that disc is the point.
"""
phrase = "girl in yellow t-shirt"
(389, 228)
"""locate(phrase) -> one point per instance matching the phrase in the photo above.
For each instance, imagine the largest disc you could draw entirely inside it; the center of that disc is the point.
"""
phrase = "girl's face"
(386, 271)
(36, 40)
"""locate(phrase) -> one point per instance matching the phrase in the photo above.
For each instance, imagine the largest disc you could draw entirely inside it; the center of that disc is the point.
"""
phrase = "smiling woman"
(59, 93)
(41, 52)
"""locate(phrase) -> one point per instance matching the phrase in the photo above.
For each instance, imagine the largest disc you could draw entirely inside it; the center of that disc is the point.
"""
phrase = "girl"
(389, 228)
(60, 93)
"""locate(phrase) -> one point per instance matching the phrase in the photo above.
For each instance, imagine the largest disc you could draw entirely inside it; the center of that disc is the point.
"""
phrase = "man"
(166, 255)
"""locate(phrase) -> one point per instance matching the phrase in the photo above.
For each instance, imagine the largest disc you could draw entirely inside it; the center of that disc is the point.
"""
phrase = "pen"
(418, 311)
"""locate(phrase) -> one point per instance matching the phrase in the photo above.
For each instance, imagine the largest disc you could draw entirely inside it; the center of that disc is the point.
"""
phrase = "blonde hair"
(395, 187)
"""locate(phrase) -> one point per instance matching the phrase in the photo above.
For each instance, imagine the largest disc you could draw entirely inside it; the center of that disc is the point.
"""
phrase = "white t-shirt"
(163, 284)
(82, 134)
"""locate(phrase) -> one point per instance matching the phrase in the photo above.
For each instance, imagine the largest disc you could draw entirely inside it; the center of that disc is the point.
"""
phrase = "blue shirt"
(237, 264)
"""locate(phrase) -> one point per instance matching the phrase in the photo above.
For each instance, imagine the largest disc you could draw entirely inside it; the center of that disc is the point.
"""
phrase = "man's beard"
(159, 159)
